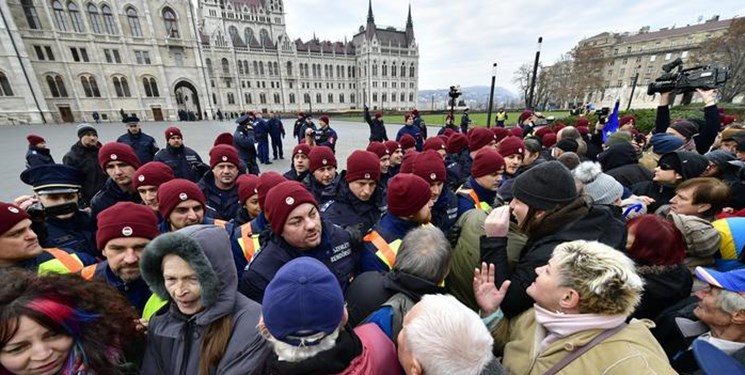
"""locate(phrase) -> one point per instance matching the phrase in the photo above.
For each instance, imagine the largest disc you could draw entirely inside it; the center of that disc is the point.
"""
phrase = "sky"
(459, 41)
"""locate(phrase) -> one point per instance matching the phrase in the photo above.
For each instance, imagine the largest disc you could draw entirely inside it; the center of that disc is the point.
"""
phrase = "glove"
(453, 235)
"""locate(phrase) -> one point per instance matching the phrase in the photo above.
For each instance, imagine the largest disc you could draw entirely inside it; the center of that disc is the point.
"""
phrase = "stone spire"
(370, 29)
(370, 17)
(409, 27)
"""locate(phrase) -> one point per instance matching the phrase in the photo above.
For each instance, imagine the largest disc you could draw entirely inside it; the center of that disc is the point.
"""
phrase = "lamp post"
(491, 93)
(633, 87)
(535, 72)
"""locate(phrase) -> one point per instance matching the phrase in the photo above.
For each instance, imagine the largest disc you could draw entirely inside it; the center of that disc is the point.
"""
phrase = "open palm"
(488, 297)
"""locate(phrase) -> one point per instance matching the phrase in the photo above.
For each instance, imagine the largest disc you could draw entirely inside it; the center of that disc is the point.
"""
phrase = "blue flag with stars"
(612, 125)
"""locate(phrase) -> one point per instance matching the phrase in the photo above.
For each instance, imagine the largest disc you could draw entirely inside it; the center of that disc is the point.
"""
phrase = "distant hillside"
(475, 97)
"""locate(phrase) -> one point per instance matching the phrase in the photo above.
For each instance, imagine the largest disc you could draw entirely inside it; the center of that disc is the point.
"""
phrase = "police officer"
(219, 184)
(323, 178)
(148, 179)
(244, 140)
(429, 166)
(397, 157)
(277, 133)
(465, 122)
(261, 129)
(120, 162)
(181, 203)
(124, 230)
(83, 156)
(384, 157)
(412, 130)
(300, 163)
(460, 170)
(480, 190)
(37, 153)
(378, 132)
(143, 144)
(19, 246)
(409, 206)
(307, 124)
(419, 123)
(298, 230)
(297, 127)
(185, 162)
(325, 136)
(64, 224)
(359, 200)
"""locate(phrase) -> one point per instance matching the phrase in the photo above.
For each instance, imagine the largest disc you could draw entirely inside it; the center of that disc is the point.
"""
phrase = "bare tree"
(521, 78)
(728, 50)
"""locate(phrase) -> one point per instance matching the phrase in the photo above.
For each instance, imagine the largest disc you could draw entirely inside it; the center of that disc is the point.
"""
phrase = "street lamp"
(491, 93)
(535, 72)
(633, 87)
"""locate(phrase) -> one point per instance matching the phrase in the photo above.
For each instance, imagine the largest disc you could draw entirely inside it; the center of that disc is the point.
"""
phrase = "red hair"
(657, 241)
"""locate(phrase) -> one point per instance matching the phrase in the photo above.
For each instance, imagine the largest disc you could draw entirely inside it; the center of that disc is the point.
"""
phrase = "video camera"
(602, 114)
(454, 94)
(681, 81)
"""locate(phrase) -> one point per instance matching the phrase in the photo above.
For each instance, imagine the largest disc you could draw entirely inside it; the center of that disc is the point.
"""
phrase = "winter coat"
(296, 128)
(175, 339)
(77, 233)
(707, 131)
(366, 350)
(632, 350)
(338, 250)
(371, 289)
(576, 221)
(38, 156)
(445, 210)
(136, 292)
(184, 161)
(223, 202)
(662, 194)
(245, 143)
(378, 131)
(346, 210)
(419, 123)
(392, 229)
(664, 286)
(261, 130)
(143, 144)
(305, 126)
(292, 175)
(458, 170)
(85, 159)
(322, 193)
(326, 137)
(413, 131)
(110, 195)
(621, 162)
(276, 129)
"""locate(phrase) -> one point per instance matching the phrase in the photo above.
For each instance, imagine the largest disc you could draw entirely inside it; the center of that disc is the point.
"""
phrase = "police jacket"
(419, 123)
(346, 210)
(224, 202)
(261, 129)
(144, 145)
(184, 161)
(137, 292)
(296, 128)
(472, 195)
(390, 231)
(303, 128)
(338, 250)
(413, 131)
(38, 156)
(458, 169)
(276, 129)
(378, 132)
(77, 233)
(110, 195)
(292, 175)
(322, 193)
(245, 143)
(326, 137)
(85, 159)
(445, 210)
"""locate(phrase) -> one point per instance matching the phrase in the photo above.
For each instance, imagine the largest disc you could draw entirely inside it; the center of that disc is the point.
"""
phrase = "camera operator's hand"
(599, 127)
(665, 99)
(709, 96)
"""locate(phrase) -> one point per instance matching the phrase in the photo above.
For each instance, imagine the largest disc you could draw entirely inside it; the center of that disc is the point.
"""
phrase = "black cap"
(53, 178)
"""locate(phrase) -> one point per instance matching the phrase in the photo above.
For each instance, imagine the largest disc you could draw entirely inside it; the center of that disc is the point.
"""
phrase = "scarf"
(560, 325)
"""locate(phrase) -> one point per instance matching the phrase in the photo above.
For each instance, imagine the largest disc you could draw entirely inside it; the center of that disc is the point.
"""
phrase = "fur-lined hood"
(207, 249)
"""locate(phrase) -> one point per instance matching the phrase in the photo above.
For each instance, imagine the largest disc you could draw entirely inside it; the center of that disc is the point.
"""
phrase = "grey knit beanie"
(84, 128)
(602, 188)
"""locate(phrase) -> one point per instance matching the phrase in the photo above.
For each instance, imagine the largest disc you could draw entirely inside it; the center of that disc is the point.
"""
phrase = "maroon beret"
(301, 148)
(153, 173)
(223, 139)
(267, 180)
(407, 194)
(434, 143)
(407, 141)
(487, 161)
(247, 184)
(543, 131)
(10, 215)
(479, 138)
(172, 193)
(126, 219)
(457, 143)
(324, 119)
(430, 166)
(224, 154)
(321, 156)
(500, 133)
(548, 140)
(363, 165)
(282, 199)
(115, 151)
(510, 146)
(173, 131)
(392, 146)
(34, 139)
(378, 149)
(407, 164)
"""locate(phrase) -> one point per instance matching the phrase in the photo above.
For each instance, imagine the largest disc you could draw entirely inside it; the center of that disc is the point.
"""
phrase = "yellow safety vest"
(152, 306)
(501, 116)
(249, 242)
(477, 203)
(386, 251)
(63, 262)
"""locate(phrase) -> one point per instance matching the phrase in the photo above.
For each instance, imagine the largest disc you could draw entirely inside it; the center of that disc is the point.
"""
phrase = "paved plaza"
(197, 135)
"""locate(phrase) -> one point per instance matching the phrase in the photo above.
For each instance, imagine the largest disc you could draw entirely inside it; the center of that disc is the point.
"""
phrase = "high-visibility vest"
(385, 251)
(220, 223)
(249, 242)
(501, 116)
(478, 204)
(63, 262)
(152, 306)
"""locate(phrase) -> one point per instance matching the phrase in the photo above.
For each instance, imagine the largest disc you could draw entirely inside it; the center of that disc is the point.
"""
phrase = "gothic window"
(248, 34)
(77, 23)
(385, 97)
(411, 71)
(247, 96)
(262, 98)
(292, 98)
(306, 98)
(341, 98)
(235, 39)
(151, 87)
(90, 87)
(59, 15)
(393, 69)
(121, 87)
(5, 89)
(411, 97)
(375, 97)
(263, 36)
(94, 18)
(240, 68)
(170, 23)
(349, 71)
(231, 98)
(225, 66)
(403, 97)
(56, 86)
(331, 98)
(208, 62)
(289, 68)
(108, 20)
(276, 98)
(403, 70)
(351, 98)
(256, 67)
(276, 68)
(261, 68)
(375, 69)
(385, 69)
(134, 22)
(245, 67)
(32, 17)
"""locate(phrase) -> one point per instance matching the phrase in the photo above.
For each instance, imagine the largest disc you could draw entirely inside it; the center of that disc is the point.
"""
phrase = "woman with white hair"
(577, 324)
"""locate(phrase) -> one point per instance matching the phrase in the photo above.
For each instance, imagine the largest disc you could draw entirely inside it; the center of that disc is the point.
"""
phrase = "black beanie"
(687, 129)
(687, 164)
(568, 145)
(545, 186)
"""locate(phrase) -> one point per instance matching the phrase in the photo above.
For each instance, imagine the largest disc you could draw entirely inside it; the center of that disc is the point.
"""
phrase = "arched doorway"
(187, 98)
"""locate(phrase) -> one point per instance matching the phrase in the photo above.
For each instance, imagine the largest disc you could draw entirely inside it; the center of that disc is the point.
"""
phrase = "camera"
(602, 114)
(454, 94)
(681, 81)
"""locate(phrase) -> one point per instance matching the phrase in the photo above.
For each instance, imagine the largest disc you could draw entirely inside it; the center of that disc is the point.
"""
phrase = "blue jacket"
(276, 129)
(76, 233)
(326, 137)
(144, 145)
(261, 129)
(260, 223)
(184, 161)
(419, 123)
(110, 195)
(322, 193)
(413, 131)
(391, 228)
(38, 156)
(346, 210)
(137, 292)
(224, 202)
(245, 143)
(445, 210)
(465, 202)
(292, 175)
(338, 251)
(458, 170)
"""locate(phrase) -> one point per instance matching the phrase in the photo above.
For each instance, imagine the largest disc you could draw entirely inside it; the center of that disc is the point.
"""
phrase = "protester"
(60, 324)
(598, 186)
(672, 169)
(38, 153)
(378, 132)
(83, 156)
(305, 321)
(621, 162)
(215, 326)
(703, 197)
(184, 161)
(143, 144)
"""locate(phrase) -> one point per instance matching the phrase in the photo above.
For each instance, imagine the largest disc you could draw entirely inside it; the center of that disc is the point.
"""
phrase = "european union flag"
(613, 124)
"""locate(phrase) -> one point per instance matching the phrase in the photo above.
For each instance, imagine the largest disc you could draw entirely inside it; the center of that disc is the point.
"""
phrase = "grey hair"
(290, 353)
(447, 338)
(730, 302)
(424, 252)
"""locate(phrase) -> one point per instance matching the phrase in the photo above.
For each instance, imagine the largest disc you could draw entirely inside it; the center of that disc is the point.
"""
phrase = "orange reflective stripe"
(88, 272)
(220, 223)
(248, 245)
(67, 260)
(475, 198)
(389, 256)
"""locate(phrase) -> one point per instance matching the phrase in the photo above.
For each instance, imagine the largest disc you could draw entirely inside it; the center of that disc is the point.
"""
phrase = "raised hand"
(488, 297)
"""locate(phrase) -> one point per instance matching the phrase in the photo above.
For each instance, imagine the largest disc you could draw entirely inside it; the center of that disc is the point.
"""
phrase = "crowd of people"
(536, 248)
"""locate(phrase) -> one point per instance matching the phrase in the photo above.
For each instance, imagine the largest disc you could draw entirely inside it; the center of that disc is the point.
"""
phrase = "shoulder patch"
(326, 205)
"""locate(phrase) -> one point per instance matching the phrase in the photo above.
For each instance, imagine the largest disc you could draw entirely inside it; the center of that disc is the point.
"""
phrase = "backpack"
(390, 315)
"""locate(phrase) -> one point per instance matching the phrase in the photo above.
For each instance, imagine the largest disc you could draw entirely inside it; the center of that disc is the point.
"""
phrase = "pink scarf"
(560, 325)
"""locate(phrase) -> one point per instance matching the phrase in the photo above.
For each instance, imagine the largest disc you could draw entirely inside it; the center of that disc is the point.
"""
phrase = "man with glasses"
(144, 145)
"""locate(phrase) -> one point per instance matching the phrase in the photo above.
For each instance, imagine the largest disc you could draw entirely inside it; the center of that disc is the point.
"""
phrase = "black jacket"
(322, 193)
(378, 132)
(346, 210)
(38, 156)
(593, 223)
(143, 144)
(371, 289)
(660, 193)
(707, 131)
(184, 161)
(292, 175)
(224, 202)
(85, 159)
(620, 162)
(664, 286)
(110, 195)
